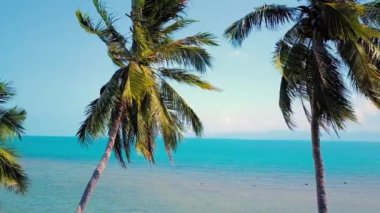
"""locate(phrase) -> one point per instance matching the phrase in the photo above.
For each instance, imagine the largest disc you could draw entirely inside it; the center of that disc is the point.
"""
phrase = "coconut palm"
(12, 175)
(138, 103)
(327, 40)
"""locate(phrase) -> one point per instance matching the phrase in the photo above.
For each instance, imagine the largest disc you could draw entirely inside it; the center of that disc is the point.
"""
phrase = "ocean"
(208, 175)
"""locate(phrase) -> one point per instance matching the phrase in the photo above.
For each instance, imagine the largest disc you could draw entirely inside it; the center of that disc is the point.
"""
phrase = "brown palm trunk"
(101, 166)
(318, 165)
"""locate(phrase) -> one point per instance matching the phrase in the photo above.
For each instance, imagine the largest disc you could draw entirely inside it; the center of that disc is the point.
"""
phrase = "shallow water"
(208, 176)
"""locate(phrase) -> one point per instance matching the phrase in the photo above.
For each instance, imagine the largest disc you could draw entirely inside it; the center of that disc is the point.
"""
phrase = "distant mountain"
(301, 135)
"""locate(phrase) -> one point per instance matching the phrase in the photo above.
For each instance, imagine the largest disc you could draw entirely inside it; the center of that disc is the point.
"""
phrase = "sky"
(57, 69)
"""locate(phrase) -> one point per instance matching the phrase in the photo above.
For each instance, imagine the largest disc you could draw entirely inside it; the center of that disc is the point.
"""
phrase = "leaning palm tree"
(12, 175)
(328, 39)
(138, 103)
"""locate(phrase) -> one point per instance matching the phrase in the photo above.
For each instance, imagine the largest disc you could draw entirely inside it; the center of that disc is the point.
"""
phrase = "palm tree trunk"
(102, 164)
(318, 164)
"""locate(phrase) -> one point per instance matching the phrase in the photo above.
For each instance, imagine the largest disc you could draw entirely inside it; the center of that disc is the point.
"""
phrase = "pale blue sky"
(58, 69)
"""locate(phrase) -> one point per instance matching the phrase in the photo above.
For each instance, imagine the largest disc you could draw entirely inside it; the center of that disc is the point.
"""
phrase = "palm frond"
(139, 82)
(183, 76)
(292, 38)
(12, 176)
(372, 49)
(145, 136)
(199, 40)
(177, 25)
(120, 139)
(285, 102)
(184, 112)
(108, 19)
(105, 30)
(188, 56)
(363, 74)
(118, 150)
(159, 13)
(341, 21)
(88, 25)
(291, 58)
(269, 15)
(172, 138)
(371, 16)
(332, 104)
(11, 122)
(6, 92)
(128, 135)
(169, 121)
(99, 111)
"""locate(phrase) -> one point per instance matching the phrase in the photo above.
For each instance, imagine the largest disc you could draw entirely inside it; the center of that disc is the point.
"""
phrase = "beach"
(209, 175)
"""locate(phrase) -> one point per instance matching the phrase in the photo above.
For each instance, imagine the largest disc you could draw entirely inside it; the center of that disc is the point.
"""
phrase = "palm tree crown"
(327, 37)
(150, 106)
(12, 176)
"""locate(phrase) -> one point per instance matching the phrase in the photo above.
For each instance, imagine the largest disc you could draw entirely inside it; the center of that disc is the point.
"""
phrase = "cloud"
(240, 120)
(364, 109)
(240, 54)
(262, 120)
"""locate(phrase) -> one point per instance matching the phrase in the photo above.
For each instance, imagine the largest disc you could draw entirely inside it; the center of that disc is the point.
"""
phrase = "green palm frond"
(159, 13)
(183, 76)
(285, 102)
(290, 58)
(170, 125)
(145, 137)
(139, 82)
(98, 112)
(269, 15)
(289, 54)
(122, 143)
(177, 25)
(372, 14)
(363, 74)
(108, 19)
(184, 112)
(11, 122)
(172, 138)
(159, 109)
(87, 24)
(293, 61)
(6, 92)
(105, 30)
(167, 122)
(333, 105)
(126, 137)
(188, 56)
(118, 150)
(93, 126)
(12, 176)
(341, 21)
(199, 40)
(114, 41)
(372, 49)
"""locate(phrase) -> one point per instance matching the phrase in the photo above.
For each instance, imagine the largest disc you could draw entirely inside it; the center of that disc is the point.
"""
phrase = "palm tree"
(12, 175)
(327, 38)
(138, 103)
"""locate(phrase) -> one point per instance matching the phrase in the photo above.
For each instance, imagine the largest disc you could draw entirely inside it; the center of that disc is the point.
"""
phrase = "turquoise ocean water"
(209, 175)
